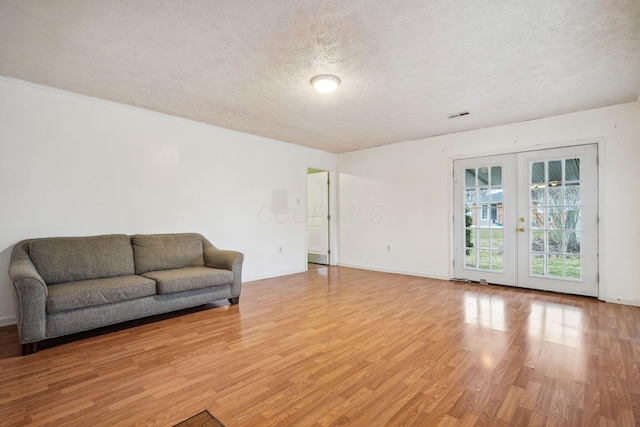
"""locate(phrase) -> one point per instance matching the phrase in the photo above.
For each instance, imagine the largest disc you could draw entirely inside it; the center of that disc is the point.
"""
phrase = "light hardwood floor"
(340, 346)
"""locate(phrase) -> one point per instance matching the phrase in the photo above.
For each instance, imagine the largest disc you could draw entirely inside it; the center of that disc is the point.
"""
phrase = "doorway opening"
(318, 216)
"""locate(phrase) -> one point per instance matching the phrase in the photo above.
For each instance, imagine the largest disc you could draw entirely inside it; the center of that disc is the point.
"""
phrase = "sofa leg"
(234, 300)
(29, 348)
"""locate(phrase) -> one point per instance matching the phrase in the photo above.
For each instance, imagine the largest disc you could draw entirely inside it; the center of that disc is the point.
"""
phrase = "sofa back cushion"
(154, 252)
(68, 259)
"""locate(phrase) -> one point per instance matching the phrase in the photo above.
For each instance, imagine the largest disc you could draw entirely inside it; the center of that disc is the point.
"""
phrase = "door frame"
(333, 221)
(598, 142)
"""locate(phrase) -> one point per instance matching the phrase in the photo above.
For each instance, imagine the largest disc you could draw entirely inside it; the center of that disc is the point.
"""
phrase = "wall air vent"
(460, 114)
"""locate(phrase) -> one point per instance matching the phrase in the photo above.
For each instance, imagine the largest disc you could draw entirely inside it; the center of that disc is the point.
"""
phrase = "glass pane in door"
(555, 206)
(484, 213)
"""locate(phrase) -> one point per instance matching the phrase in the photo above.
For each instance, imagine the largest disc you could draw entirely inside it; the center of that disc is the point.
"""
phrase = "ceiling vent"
(460, 114)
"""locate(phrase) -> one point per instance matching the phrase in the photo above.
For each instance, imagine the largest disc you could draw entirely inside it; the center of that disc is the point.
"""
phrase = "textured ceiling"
(405, 65)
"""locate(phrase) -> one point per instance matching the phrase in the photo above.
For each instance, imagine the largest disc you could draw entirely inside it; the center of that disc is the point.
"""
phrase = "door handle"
(521, 229)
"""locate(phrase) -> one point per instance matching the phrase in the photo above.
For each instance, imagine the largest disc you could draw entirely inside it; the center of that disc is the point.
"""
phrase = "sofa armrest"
(31, 304)
(226, 260)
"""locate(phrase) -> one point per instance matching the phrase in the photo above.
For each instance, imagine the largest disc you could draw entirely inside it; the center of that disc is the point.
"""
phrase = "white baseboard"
(623, 301)
(394, 271)
(272, 275)
(6, 321)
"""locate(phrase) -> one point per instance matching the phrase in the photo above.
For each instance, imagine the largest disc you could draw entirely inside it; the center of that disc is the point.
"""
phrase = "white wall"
(401, 195)
(73, 165)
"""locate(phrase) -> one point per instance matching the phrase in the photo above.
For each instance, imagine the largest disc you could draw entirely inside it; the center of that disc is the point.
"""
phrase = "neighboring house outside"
(488, 210)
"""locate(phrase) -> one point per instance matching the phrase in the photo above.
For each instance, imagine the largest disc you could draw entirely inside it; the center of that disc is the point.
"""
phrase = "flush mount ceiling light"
(325, 83)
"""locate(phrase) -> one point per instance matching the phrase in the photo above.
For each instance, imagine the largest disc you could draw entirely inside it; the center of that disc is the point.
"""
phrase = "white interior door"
(528, 219)
(318, 217)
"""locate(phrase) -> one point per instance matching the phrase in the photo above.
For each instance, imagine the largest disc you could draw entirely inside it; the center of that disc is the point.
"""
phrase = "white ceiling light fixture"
(325, 83)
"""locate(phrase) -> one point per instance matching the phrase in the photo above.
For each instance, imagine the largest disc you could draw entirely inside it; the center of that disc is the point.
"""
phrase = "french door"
(528, 219)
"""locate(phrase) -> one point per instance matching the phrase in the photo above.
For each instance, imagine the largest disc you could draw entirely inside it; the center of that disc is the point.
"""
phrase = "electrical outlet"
(280, 250)
(388, 248)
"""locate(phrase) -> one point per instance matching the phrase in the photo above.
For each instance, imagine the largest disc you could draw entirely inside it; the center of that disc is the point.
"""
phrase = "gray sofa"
(66, 285)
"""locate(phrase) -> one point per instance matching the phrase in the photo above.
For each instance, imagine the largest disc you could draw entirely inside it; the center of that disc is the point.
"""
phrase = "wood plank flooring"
(344, 347)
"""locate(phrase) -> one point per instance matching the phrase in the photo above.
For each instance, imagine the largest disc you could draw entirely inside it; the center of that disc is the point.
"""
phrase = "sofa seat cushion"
(189, 278)
(88, 293)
